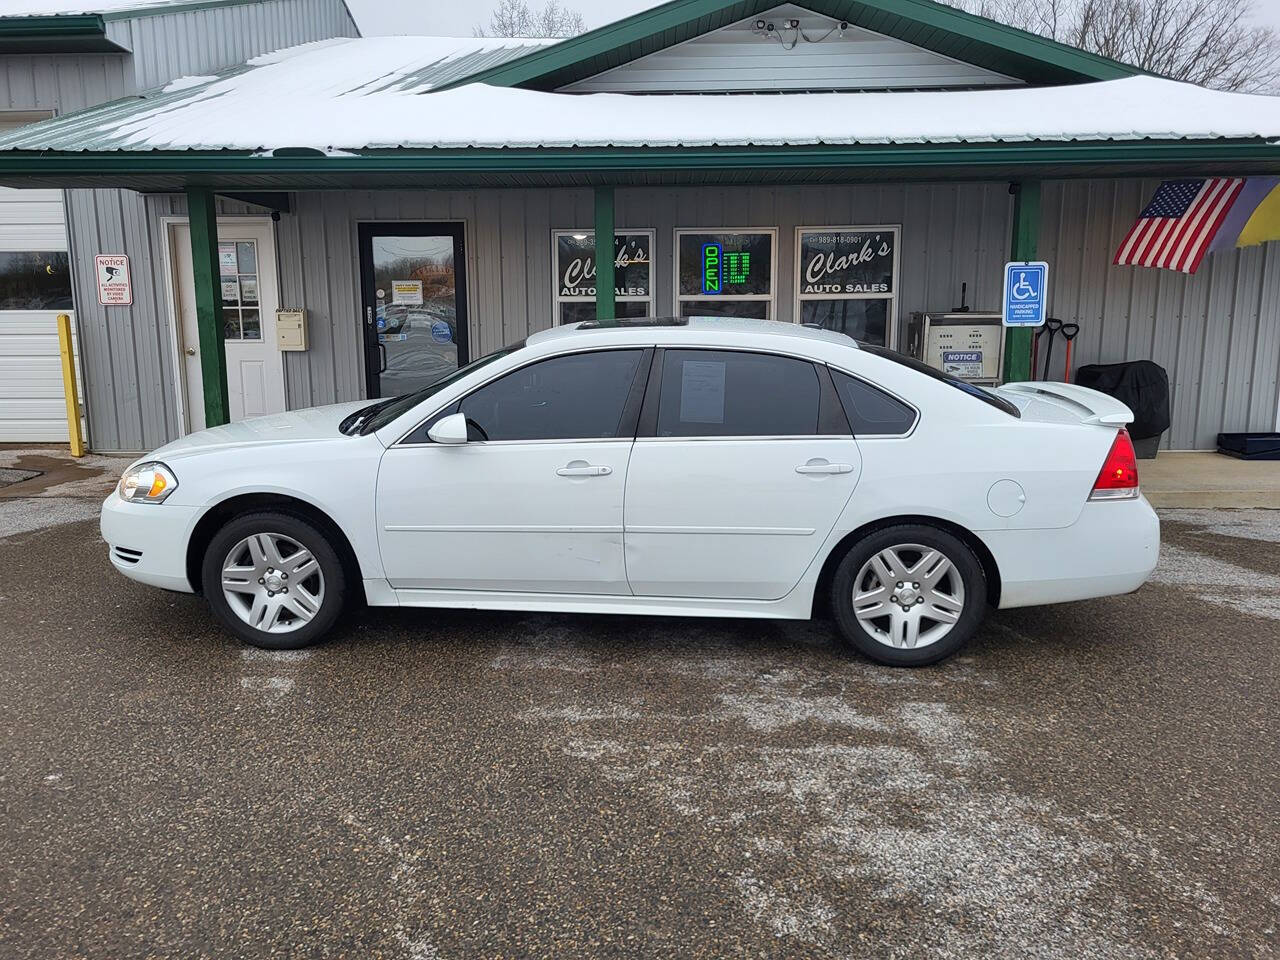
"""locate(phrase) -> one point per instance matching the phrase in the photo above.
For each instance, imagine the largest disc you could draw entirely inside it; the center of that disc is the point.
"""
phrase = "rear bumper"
(147, 542)
(1111, 549)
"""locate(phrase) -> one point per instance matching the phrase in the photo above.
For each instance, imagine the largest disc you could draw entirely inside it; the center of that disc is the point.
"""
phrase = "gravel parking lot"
(1099, 779)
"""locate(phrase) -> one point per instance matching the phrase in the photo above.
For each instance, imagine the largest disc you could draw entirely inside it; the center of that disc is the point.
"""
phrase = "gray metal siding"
(62, 82)
(126, 352)
(129, 376)
(1224, 371)
(736, 58)
(202, 41)
(950, 233)
(1217, 332)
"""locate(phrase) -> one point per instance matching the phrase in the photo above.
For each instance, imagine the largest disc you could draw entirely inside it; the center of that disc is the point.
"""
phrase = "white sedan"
(709, 467)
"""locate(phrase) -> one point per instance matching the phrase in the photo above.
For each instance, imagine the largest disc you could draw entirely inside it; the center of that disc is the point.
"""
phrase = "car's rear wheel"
(274, 580)
(909, 595)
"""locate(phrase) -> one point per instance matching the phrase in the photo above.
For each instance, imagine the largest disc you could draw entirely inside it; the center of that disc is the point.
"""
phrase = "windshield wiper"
(352, 424)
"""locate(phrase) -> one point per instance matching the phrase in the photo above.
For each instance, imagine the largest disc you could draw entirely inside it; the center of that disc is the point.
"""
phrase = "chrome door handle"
(579, 469)
(823, 466)
(191, 351)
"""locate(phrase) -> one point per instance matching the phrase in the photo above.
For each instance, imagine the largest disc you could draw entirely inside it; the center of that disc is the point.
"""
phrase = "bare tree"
(514, 18)
(1215, 43)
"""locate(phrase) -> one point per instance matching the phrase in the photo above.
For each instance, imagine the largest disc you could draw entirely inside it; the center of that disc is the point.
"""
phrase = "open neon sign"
(721, 270)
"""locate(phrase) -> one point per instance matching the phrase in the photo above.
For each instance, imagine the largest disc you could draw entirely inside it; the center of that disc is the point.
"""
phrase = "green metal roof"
(107, 127)
(167, 172)
(108, 9)
(82, 27)
(31, 35)
(934, 26)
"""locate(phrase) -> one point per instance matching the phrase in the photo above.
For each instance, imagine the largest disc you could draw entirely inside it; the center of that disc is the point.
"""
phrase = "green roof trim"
(85, 33)
(935, 26)
(1094, 157)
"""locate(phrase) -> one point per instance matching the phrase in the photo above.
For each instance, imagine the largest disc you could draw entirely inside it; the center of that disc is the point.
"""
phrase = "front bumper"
(147, 542)
(1111, 549)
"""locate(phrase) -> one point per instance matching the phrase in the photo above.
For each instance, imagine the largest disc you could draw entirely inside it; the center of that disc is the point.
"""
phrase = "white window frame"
(557, 300)
(771, 297)
(891, 317)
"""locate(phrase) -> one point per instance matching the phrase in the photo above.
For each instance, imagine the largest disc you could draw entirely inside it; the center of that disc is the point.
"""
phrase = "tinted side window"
(576, 397)
(871, 411)
(711, 393)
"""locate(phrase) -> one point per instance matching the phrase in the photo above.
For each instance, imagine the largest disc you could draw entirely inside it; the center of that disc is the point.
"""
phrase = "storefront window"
(725, 273)
(238, 266)
(35, 281)
(575, 279)
(846, 280)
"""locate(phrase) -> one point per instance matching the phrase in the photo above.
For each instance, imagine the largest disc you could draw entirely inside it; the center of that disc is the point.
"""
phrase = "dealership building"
(265, 211)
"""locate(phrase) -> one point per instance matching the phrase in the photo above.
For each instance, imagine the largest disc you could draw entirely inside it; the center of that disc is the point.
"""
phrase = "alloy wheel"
(908, 596)
(272, 582)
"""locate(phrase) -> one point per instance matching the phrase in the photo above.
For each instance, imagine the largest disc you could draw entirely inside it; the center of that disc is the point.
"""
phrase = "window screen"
(870, 411)
(575, 397)
(709, 393)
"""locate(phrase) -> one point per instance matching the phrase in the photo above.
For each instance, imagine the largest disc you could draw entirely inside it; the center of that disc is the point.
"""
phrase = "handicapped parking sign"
(1025, 293)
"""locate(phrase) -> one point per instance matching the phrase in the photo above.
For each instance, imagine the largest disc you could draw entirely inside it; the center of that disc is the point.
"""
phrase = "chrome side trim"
(497, 528)
(730, 531)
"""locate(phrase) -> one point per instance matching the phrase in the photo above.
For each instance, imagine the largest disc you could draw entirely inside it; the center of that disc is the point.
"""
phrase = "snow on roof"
(362, 94)
(69, 8)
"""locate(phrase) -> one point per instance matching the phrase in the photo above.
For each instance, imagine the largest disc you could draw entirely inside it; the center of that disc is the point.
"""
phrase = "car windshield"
(987, 396)
(378, 415)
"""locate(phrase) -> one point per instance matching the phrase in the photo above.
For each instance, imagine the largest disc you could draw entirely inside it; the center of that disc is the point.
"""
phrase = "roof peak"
(935, 26)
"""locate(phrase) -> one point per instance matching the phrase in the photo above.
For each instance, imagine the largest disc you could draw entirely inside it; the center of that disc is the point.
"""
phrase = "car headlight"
(148, 482)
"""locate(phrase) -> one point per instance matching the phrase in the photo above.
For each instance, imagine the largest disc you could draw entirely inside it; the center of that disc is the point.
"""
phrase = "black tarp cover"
(1140, 384)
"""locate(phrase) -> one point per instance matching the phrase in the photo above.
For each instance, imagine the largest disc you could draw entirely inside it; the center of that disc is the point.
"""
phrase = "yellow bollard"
(69, 385)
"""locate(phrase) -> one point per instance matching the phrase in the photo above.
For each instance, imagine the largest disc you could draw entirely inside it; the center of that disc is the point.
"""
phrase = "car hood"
(297, 426)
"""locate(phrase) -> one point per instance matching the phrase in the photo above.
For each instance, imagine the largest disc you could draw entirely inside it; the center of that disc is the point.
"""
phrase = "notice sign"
(115, 289)
(1025, 289)
(407, 292)
(965, 364)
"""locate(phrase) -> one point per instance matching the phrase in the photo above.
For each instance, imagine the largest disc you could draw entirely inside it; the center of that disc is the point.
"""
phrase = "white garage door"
(35, 286)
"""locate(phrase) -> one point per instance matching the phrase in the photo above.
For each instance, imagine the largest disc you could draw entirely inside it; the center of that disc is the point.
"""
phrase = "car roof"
(651, 330)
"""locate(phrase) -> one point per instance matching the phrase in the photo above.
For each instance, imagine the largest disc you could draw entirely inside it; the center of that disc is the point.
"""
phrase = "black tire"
(861, 634)
(330, 577)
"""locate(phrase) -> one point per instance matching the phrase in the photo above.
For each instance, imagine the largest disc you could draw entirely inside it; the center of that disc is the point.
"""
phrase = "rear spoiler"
(1093, 406)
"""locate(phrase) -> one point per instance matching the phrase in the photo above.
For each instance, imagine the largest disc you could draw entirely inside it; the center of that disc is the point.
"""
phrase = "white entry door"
(250, 298)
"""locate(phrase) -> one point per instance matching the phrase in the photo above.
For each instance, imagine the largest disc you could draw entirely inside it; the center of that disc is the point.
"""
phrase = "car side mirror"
(451, 429)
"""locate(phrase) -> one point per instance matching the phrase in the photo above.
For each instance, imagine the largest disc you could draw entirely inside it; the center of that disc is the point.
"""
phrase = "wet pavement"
(1098, 779)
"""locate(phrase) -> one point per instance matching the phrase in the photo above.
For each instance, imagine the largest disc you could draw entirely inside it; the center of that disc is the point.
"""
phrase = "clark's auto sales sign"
(843, 262)
(576, 265)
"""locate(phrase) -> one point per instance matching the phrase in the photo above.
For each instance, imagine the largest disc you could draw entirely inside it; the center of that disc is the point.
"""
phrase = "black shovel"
(1053, 325)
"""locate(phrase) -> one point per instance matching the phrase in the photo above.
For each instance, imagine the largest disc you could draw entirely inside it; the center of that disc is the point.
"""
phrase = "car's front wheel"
(909, 595)
(274, 580)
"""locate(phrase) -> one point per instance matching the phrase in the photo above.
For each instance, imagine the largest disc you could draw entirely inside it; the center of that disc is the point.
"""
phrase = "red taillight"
(1118, 479)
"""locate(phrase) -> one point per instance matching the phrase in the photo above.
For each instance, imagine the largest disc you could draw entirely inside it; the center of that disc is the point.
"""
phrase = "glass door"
(414, 304)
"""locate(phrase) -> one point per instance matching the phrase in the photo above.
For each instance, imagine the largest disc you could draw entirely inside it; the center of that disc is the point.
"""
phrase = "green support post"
(204, 267)
(1026, 232)
(605, 307)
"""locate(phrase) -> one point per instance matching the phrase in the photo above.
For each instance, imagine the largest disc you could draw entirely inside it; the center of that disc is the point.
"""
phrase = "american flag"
(1179, 223)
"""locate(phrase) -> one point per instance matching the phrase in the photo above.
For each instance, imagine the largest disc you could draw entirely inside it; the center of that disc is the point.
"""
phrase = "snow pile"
(383, 93)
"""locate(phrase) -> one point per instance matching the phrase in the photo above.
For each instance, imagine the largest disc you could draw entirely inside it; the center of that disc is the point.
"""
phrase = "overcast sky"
(451, 18)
